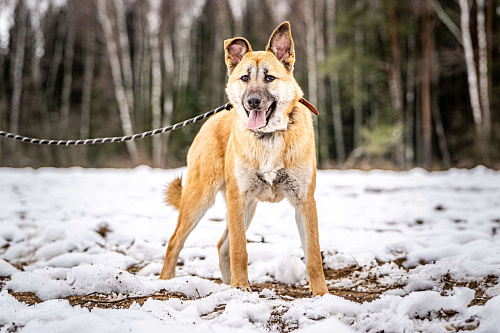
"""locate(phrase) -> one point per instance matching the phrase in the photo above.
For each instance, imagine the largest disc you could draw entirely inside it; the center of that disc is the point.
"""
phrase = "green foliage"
(380, 141)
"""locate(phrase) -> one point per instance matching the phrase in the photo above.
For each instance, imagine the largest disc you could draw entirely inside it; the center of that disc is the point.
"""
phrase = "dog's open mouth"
(258, 119)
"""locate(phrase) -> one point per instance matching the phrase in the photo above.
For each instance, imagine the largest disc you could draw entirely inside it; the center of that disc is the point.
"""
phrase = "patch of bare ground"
(276, 323)
(26, 297)
(480, 298)
(103, 301)
(2, 280)
(133, 269)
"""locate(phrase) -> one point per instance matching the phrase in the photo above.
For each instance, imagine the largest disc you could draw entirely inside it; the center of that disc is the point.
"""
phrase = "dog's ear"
(235, 50)
(281, 44)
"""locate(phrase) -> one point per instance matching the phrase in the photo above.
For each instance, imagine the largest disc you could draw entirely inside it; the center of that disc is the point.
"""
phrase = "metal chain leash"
(227, 106)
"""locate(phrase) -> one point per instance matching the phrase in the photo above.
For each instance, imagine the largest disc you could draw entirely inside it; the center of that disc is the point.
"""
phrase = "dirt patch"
(103, 301)
(480, 297)
(3, 279)
(276, 322)
(26, 297)
(133, 269)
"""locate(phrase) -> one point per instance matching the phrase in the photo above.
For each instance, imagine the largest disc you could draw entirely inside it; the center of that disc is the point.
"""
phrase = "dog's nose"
(254, 101)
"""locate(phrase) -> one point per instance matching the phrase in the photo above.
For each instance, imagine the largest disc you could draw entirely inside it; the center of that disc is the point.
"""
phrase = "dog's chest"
(268, 174)
(274, 185)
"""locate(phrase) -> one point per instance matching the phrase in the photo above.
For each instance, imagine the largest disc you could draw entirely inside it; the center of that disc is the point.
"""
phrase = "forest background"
(398, 84)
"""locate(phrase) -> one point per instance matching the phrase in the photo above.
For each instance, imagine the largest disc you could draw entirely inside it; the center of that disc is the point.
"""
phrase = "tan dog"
(263, 150)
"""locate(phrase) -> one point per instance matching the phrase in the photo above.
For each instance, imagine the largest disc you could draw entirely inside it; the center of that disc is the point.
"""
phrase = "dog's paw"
(320, 293)
(243, 288)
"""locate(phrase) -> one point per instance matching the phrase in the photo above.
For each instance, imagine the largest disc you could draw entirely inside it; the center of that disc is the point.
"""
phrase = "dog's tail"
(173, 193)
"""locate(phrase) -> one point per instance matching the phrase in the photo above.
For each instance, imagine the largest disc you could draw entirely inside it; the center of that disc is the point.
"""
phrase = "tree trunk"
(338, 130)
(483, 69)
(117, 79)
(358, 82)
(436, 113)
(3, 102)
(395, 81)
(38, 45)
(128, 78)
(238, 8)
(447, 21)
(220, 30)
(324, 150)
(69, 54)
(312, 75)
(88, 79)
(154, 28)
(17, 79)
(410, 99)
(471, 69)
(490, 8)
(55, 62)
(183, 44)
(138, 63)
(427, 37)
(168, 98)
(145, 82)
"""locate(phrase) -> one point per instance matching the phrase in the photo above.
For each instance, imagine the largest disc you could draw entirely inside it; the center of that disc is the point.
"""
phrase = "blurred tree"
(117, 78)
(426, 69)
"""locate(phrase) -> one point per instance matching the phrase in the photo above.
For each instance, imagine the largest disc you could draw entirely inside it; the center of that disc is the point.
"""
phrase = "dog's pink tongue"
(256, 120)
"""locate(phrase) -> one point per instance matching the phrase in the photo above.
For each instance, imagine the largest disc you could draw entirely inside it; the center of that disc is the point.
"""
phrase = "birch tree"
(114, 62)
(465, 7)
(483, 68)
(238, 8)
(154, 44)
(37, 10)
(188, 11)
(128, 80)
(168, 98)
(464, 37)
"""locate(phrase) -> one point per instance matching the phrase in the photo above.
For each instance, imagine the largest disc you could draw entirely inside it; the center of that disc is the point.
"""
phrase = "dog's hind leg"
(223, 245)
(196, 200)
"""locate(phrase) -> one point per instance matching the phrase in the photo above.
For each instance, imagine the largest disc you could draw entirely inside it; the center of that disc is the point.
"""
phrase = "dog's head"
(261, 85)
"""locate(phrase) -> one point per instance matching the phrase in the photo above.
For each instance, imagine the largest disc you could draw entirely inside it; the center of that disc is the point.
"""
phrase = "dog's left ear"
(281, 44)
(235, 50)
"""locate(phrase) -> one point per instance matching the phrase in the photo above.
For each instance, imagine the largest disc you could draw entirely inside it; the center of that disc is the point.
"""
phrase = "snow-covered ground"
(422, 248)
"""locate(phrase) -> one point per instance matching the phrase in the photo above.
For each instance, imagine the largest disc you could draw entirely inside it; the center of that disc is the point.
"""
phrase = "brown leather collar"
(309, 105)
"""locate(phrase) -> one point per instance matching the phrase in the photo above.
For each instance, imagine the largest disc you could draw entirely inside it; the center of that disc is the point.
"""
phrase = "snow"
(69, 232)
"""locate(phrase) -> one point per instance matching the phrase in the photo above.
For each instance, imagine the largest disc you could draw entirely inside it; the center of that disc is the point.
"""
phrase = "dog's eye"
(269, 78)
(245, 78)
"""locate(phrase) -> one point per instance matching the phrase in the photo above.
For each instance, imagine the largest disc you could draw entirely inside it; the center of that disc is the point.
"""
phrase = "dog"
(262, 150)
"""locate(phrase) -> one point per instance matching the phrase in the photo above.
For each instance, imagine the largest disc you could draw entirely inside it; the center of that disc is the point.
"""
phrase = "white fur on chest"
(271, 181)
(270, 155)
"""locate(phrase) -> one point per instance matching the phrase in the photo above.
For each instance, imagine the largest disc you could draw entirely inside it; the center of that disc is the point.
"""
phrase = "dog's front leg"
(237, 240)
(307, 223)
